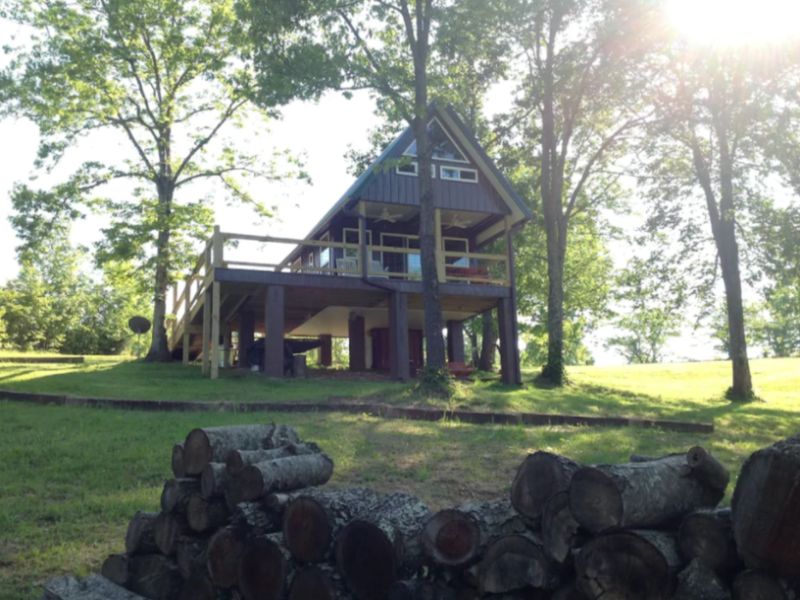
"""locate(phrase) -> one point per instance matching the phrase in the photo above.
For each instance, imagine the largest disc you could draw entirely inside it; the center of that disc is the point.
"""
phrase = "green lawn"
(70, 478)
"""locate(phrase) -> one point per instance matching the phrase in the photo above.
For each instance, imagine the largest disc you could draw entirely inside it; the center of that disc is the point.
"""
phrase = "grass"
(72, 477)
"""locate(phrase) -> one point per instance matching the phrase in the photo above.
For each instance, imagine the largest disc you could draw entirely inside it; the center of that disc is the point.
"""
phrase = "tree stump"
(766, 518)
(376, 547)
(540, 476)
(632, 564)
(645, 494)
(313, 517)
(458, 536)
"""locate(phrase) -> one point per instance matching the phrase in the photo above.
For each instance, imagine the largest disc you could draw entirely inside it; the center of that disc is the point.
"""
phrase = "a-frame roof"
(513, 205)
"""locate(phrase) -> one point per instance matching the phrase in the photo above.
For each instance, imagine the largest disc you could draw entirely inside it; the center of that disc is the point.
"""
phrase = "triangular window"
(444, 148)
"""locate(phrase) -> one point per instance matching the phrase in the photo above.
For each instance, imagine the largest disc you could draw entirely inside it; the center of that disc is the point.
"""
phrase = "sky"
(320, 133)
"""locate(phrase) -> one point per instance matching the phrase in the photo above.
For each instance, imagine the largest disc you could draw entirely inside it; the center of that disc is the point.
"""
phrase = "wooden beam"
(206, 369)
(362, 240)
(398, 336)
(227, 345)
(326, 350)
(247, 328)
(441, 272)
(187, 340)
(217, 248)
(274, 324)
(187, 318)
(215, 332)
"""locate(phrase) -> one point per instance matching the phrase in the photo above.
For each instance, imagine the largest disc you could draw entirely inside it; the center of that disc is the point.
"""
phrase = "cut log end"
(540, 476)
(224, 553)
(451, 537)
(365, 558)
(178, 466)
(262, 570)
(306, 529)
(311, 583)
(515, 562)
(758, 585)
(197, 452)
(140, 537)
(594, 500)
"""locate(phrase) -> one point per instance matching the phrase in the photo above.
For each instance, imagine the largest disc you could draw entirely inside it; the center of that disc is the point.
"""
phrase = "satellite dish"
(139, 325)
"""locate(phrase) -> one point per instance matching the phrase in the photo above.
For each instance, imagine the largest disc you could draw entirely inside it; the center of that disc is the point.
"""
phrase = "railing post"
(217, 244)
(441, 272)
(187, 306)
(362, 240)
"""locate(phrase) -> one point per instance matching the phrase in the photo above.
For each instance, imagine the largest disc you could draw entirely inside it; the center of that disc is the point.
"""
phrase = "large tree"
(580, 80)
(168, 76)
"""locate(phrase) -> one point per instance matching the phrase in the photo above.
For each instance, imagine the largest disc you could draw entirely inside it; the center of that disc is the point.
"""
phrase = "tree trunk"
(212, 444)
(140, 537)
(758, 585)
(540, 476)
(516, 562)
(458, 537)
(380, 545)
(559, 528)
(645, 494)
(313, 518)
(262, 570)
(766, 519)
(317, 582)
(206, 515)
(488, 341)
(159, 348)
(708, 536)
(177, 492)
(239, 459)
(631, 564)
(169, 527)
(699, 582)
(279, 475)
(94, 587)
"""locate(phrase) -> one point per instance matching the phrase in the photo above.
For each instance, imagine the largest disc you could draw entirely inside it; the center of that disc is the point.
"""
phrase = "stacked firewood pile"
(247, 517)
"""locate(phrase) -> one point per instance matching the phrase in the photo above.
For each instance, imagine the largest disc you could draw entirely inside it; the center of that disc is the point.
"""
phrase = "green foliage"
(575, 351)
(649, 296)
(434, 383)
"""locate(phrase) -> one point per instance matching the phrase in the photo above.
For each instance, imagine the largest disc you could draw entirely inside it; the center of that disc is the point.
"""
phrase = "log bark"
(278, 475)
(317, 582)
(559, 528)
(457, 537)
(419, 589)
(644, 494)
(191, 555)
(540, 476)
(169, 527)
(154, 576)
(707, 535)
(206, 515)
(236, 460)
(213, 479)
(766, 519)
(631, 564)
(94, 587)
(178, 466)
(262, 570)
(312, 519)
(116, 569)
(212, 444)
(140, 537)
(515, 562)
(699, 582)
(754, 584)
(224, 553)
(381, 544)
(176, 493)
(251, 518)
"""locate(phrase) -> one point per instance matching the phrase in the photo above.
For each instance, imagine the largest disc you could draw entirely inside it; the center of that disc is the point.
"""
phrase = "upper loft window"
(444, 148)
(459, 174)
(412, 168)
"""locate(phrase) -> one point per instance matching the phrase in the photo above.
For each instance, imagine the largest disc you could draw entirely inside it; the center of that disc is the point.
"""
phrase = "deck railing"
(387, 262)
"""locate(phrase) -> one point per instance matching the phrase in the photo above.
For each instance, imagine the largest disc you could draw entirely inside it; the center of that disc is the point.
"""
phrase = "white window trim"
(445, 177)
(416, 169)
(450, 137)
